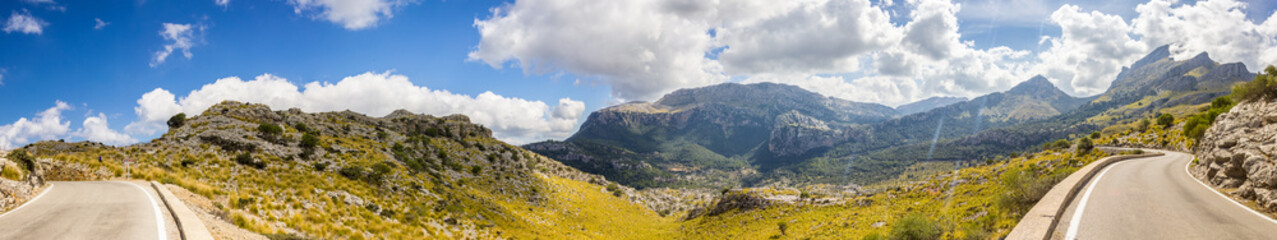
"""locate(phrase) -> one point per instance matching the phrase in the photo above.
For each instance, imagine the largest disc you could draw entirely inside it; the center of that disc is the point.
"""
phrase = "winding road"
(88, 210)
(1156, 198)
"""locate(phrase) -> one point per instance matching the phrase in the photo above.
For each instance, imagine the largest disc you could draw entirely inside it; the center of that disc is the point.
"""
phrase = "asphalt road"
(1155, 198)
(87, 210)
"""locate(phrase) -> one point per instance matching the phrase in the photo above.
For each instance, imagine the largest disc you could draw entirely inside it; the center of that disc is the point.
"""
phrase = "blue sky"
(543, 60)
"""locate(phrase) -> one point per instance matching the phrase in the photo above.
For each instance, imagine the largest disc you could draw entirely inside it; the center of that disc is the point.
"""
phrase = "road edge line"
(180, 233)
(1081, 205)
(1212, 189)
(159, 218)
(29, 201)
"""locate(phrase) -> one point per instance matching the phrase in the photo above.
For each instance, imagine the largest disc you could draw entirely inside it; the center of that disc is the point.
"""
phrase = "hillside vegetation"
(345, 175)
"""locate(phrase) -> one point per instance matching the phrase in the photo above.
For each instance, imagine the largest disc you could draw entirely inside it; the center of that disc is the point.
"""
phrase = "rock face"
(1237, 152)
(795, 134)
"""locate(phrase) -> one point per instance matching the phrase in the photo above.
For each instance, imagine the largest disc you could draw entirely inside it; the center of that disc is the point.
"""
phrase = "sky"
(531, 70)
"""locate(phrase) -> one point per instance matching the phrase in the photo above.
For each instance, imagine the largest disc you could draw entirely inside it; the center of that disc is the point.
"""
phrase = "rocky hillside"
(928, 104)
(346, 175)
(1237, 152)
(708, 137)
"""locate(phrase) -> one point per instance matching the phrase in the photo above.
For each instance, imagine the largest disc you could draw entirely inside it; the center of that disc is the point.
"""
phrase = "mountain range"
(733, 135)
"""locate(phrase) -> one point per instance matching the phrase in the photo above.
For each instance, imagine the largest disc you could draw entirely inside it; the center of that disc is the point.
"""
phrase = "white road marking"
(37, 197)
(1081, 206)
(159, 219)
(1208, 187)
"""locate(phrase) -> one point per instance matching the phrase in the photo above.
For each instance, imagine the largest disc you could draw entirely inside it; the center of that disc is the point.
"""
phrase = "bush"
(1085, 145)
(915, 227)
(26, 161)
(1057, 144)
(301, 127)
(1166, 120)
(1095, 135)
(11, 173)
(1143, 125)
(320, 166)
(352, 172)
(177, 120)
(1263, 86)
(309, 141)
(247, 160)
(270, 129)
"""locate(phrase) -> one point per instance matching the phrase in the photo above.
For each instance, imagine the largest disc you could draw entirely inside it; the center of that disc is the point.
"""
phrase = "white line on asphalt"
(1081, 206)
(159, 219)
(37, 197)
(1208, 187)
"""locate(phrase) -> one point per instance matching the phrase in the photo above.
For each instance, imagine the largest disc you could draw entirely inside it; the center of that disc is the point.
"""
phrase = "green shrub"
(320, 166)
(309, 141)
(352, 172)
(475, 170)
(1095, 135)
(1262, 86)
(301, 127)
(177, 120)
(270, 129)
(1166, 120)
(26, 161)
(247, 160)
(915, 227)
(1085, 145)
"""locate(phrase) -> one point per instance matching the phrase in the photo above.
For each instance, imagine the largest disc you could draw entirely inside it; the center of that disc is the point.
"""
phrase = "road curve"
(1155, 198)
(86, 210)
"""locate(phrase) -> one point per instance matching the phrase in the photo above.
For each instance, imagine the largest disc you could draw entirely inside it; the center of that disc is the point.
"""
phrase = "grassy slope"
(979, 207)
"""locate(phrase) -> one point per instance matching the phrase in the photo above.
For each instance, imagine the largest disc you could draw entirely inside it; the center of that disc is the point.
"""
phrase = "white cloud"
(351, 14)
(810, 37)
(640, 48)
(23, 22)
(511, 119)
(98, 24)
(180, 37)
(1090, 52)
(222, 3)
(47, 125)
(153, 111)
(1218, 27)
(95, 128)
(643, 49)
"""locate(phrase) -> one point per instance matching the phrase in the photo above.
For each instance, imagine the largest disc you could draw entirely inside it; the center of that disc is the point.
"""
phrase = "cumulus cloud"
(351, 14)
(180, 37)
(1218, 27)
(153, 110)
(810, 37)
(222, 3)
(640, 48)
(98, 24)
(23, 22)
(1090, 51)
(95, 128)
(643, 49)
(47, 124)
(511, 119)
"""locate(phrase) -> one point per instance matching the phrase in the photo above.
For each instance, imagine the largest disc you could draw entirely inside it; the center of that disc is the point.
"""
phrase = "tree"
(177, 120)
(1143, 125)
(1085, 145)
(1095, 135)
(1166, 119)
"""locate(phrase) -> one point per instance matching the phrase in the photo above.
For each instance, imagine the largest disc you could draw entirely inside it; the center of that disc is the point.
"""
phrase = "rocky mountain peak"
(1038, 85)
(1163, 52)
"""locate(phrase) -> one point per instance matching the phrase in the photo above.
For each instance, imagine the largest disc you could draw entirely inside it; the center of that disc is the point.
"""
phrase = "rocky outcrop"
(795, 134)
(28, 181)
(1237, 152)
